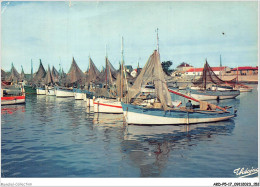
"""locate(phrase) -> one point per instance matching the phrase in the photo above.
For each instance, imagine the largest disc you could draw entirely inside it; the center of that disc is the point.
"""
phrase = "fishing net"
(208, 77)
(121, 84)
(94, 74)
(40, 74)
(75, 75)
(15, 76)
(152, 73)
(22, 77)
(48, 78)
(55, 74)
(109, 75)
(3, 75)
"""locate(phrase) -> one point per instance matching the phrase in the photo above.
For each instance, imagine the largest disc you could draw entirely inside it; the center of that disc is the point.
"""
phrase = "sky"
(188, 32)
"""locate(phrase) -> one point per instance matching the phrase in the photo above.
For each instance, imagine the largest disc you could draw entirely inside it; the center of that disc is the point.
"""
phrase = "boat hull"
(80, 96)
(40, 91)
(213, 95)
(12, 100)
(107, 106)
(50, 92)
(143, 116)
(64, 93)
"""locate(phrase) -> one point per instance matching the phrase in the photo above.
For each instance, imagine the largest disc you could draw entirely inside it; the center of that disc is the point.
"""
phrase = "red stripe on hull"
(13, 98)
(107, 105)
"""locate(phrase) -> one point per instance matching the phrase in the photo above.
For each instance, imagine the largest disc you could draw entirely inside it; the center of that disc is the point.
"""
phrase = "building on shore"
(246, 70)
(181, 69)
(217, 70)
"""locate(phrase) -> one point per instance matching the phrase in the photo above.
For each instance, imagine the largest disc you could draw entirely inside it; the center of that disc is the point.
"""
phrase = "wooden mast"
(31, 70)
(220, 68)
(157, 41)
(106, 67)
(122, 66)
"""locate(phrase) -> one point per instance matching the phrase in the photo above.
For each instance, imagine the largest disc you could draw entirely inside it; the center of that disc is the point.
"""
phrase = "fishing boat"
(210, 87)
(11, 100)
(7, 99)
(162, 112)
(107, 106)
(64, 92)
(204, 95)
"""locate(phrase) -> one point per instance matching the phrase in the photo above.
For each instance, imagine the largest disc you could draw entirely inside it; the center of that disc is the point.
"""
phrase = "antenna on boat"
(157, 40)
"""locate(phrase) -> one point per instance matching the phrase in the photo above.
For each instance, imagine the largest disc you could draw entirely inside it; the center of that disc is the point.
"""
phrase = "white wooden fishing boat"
(164, 113)
(210, 87)
(204, 95)
(107, 106)
(111, 105)
(40, 91)
(64, 92)
(143, 116)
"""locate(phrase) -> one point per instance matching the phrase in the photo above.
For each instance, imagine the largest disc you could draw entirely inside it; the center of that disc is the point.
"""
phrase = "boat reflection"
(150, 147)
(11, 109)
(107, 120)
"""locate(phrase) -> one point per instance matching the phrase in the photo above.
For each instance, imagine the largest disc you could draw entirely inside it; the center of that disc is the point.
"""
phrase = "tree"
(166, 67)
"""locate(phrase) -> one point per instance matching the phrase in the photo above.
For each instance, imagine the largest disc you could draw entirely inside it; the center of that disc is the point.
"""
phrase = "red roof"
(183, 64)
(201, 69)
(245, 68)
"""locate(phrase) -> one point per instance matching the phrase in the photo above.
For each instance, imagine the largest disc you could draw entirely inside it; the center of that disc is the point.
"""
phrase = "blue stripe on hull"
(172, 113)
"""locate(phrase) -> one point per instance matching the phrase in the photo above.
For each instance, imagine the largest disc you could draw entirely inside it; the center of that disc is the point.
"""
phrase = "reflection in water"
(11, 109)
(61, 137)
(149, 147)
(107, 120)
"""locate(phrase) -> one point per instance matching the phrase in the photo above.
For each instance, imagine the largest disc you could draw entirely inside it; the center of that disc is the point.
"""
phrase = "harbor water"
(61, 137)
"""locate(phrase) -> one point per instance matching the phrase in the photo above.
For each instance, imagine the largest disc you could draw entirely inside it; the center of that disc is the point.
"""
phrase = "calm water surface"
(60, 137)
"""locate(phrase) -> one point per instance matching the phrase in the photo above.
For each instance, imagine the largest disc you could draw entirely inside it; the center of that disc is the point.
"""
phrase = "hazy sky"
(188, 32)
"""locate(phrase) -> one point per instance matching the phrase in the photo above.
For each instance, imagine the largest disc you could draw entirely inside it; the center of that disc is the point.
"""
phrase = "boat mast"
(106, 67)
(237, 74)
(122, 66)
(205, 75)
(88, 63)
(31, 69)
(220, 68)
(157, 40)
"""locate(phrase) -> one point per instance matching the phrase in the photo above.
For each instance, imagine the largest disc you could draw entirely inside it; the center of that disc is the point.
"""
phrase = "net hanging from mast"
(152, 73)
(208, 77)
